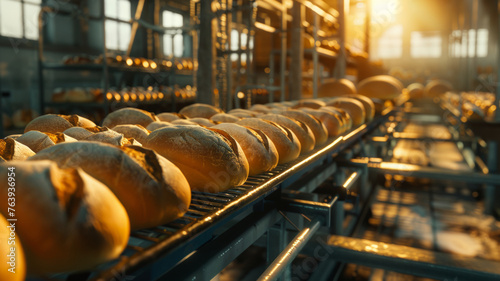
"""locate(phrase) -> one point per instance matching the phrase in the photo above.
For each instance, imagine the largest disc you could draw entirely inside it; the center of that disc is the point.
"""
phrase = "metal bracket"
(309, 204)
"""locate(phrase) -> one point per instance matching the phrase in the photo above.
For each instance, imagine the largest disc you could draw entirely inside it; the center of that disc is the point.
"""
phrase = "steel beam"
(274, 271)
(417, 171)
(408, 260)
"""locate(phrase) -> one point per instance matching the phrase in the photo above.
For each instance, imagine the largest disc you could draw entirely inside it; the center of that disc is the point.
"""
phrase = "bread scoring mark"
(96, 129)
(69, 189)
(261, 137)
(224, 136)
(285, 130)
(7, 148)
(73, 119)
(147, 159)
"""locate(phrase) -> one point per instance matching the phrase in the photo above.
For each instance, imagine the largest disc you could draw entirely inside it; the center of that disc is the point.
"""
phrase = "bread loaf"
(260, 152)
(380, 87)
(80, 133)
(310, 103)
(184, 122)
(367, 103)
(169, 116)
(53, 123)
(416, 90)
(224, 118)
(318, 128)
(200, 110)
(336, 88)
(136, 132)
(332, 123)
(354, 107)
(81, 221)
(211, 159)
(129, 115)
(437, 87)
(151, 188)
(37, 141)
(260, 108)
(301, 130)
(13, 263)
(111, 137)
(202, 121)
(341, 114)
(13, 150)
(243, 112)
(159, 124)
(286, 141)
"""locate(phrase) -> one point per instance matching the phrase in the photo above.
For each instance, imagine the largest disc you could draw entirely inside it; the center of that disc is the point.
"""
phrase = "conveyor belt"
(153, 252)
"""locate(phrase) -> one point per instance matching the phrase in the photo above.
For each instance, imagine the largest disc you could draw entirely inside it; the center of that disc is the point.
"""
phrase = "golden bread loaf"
(310, 103)
(80, 133)
(299, 128)
(129, 115)
(13, 262)
(260, 152)
(11, 149)
(202, 121)
(367, 103)
(151, 188)
(285, 140)
(158, 124)
(318, 128)
(169, 116)
(344, 117)
(199, 110)
(137, 132)
(332, 121)
(67, 220)
(211, 159)
(336, 87)
(110, 137)
(54, 123)
(354, 107)
(37, 141)
(224, 118)
(437, 87)
(380, 87)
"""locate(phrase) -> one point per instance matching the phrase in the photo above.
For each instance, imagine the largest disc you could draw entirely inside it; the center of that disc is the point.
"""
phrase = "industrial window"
(173, 43)
(19, 18)
(118, 26)
(390, 44)
(426, 44)
(463, 42)
(242, 45)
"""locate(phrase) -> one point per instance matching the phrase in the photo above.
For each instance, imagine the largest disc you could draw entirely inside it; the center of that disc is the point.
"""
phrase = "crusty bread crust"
(81, 221)
(199, 110)
(301, 130)
(129, 115)
(211, 161)
(259, 150)
(286, 141)
(318, 128)
(150, 187)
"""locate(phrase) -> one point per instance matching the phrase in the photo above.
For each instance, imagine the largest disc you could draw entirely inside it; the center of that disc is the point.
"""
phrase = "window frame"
(435, 34)
(21, 42)
(118, 21)
(173, 35)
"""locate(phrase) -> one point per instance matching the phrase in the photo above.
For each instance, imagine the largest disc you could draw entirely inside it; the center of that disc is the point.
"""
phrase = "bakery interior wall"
(64, 35)
(404, 35)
